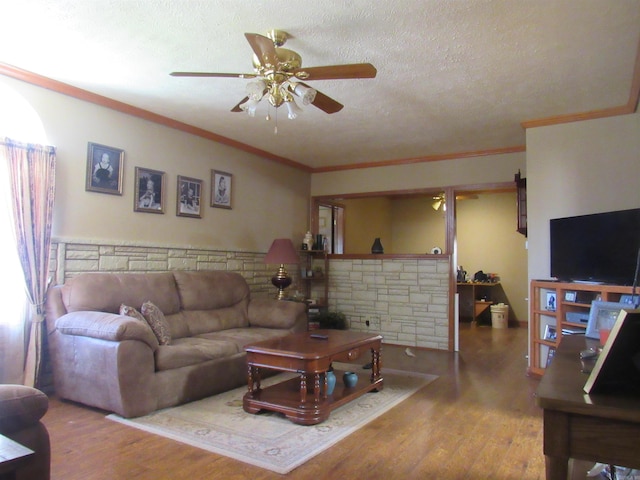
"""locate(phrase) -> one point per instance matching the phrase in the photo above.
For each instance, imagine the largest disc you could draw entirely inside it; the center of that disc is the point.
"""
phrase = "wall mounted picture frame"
(105, 166)
(189, 197)
(221, 189)
(602, 315)
(149, 192)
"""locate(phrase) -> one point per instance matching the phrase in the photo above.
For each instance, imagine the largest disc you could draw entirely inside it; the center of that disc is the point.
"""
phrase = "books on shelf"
(573, 331)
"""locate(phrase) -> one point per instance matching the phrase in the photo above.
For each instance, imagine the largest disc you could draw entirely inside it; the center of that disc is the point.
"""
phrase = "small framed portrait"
(221, 189)
(149, 195)
(551, 301)
(602, 316)
(570, 296)
(105, 166)
(550, 333)
(189, 197)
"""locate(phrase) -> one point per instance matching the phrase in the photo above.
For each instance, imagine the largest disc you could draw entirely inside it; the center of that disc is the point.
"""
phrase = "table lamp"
(281, 252)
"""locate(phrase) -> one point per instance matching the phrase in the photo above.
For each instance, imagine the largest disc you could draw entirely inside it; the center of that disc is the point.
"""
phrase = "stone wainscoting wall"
(405, 300)
(70, 258)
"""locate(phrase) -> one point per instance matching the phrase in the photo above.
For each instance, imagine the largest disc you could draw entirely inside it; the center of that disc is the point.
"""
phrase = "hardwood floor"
(478, 420)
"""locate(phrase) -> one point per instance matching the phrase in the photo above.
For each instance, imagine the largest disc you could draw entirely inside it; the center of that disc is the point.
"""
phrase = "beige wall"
(269, 200)
(579, 168)
(416, 226)
(488, 241)
(464, 171)
(366, 219)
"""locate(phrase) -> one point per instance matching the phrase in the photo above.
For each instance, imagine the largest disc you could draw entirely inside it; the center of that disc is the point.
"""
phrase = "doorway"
(331, 225)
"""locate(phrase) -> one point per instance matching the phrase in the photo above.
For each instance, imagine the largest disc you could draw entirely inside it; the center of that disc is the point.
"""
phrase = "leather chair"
(21, 409)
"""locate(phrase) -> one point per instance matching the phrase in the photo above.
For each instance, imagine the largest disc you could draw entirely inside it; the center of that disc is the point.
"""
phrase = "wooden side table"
(12, 457)
(603, 428)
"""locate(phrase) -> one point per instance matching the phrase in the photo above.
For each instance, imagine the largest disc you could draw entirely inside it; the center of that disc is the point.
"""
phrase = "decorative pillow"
(131, 312)
(155, 318)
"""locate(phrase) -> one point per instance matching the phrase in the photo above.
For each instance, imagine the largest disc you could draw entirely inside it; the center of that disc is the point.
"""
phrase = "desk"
(601, 428)
(471, 295)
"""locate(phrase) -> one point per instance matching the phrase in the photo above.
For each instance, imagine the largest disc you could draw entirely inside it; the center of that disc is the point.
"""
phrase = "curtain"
(31, 177)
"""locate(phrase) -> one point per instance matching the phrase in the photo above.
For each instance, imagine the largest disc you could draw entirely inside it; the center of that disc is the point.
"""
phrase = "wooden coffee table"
(303, 399)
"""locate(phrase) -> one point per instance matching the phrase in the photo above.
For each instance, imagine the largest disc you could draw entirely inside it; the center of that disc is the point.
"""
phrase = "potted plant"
(334, 320)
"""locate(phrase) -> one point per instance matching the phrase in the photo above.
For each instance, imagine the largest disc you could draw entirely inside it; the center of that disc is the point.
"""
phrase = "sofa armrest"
(106, 326)
(21, 407)
(270, 313)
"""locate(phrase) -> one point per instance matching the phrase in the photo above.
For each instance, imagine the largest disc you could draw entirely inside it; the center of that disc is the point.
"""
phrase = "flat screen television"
(601, 247)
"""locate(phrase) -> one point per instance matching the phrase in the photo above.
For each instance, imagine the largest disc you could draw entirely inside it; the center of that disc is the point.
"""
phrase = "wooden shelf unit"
(475, 298)
(315, 286)
(554, 306)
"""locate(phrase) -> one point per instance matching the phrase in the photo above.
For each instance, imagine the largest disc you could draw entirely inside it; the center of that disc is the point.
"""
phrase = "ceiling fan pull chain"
(275, 128)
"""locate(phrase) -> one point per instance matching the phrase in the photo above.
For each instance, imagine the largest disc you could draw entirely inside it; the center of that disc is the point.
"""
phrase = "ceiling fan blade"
(237, 107)
(336, 72)
(212, 74)
(264, 49)
(326, 104)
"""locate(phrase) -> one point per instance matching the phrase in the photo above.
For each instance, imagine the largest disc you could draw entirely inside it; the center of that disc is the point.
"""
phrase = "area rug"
(268, 440)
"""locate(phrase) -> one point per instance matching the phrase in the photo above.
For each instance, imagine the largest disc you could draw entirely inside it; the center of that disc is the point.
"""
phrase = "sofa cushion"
(105, 292)
(132, 312)
(191, 351)
(210, 290)
(244, 336)
(155, 318)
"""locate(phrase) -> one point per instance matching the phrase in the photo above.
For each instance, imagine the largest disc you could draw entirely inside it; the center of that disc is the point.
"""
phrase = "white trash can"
(500, 315)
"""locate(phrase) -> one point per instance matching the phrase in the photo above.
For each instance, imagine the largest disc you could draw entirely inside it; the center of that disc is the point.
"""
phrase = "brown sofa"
(21, 409)
(115, 362)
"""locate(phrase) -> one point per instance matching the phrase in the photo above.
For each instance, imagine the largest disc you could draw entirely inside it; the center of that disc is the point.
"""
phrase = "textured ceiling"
(453, 76)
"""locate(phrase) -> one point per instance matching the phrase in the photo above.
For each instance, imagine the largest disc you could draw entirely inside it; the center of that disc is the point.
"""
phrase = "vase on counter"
(377, 246)
(308, 240)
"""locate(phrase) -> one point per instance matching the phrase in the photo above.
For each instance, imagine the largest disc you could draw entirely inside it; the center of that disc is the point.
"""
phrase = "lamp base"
(281, 280)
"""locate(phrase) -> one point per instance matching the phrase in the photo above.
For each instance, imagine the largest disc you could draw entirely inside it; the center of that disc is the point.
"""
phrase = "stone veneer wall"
(70, 258)
(405, 300)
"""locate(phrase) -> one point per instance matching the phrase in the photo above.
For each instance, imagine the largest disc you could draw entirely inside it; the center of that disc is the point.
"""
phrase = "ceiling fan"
(278, 72)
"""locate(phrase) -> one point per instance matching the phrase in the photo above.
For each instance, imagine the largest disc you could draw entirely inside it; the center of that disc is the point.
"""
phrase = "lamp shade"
(282, 252)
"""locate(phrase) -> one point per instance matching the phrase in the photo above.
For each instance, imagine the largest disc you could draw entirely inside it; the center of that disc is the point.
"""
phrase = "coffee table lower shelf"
(284, 397)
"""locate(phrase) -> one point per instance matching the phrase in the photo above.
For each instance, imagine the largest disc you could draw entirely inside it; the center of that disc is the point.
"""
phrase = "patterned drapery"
(31, 170)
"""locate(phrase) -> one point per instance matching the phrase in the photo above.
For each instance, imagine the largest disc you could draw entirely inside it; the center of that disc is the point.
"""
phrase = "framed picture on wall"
(149, 196)
(221, 189)
(105, 166)
(189, 197)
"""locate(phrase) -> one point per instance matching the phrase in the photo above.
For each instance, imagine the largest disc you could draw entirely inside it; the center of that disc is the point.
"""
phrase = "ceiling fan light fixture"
(256, 89)
(250, 106)
(293, 109)
(307, 94)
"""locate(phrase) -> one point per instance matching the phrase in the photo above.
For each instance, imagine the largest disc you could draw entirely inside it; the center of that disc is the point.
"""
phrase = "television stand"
(557, 309)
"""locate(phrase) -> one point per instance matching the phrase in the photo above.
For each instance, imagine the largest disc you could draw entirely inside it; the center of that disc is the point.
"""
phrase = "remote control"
(319, 336)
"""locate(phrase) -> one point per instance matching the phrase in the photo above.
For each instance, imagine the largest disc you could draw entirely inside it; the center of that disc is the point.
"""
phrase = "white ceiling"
(453, 75)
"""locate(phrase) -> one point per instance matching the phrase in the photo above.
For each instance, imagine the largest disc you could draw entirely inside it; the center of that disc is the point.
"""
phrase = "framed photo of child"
(105, 166)
(189, 197)
(149, 195)
(221, 189)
